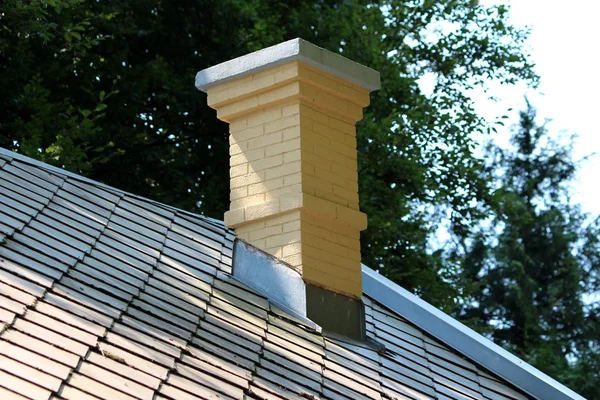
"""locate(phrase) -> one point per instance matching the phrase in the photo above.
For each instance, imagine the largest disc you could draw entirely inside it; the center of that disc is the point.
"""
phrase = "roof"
(106, 295)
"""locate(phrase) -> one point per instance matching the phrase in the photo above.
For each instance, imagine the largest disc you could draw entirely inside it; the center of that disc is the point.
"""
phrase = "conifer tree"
(536, 267)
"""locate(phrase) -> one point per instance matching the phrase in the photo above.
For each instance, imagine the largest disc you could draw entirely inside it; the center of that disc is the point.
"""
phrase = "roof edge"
(463, 339)
(292, 50)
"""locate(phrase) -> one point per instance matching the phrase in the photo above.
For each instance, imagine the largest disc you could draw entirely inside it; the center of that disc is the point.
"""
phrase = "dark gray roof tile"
(96, 388)
(285, 382)
(159, 215)
(411, 379)
(204, 237)
(39, 179)
(6, 317)
(266, 390)
(13, 206)
(140, 229)
(123, 369)
(115, 381)
(200, 373)
(60, 252)
(315, 366)
(192, 388)
(408, 366)
(62, 224)
(115, 267)
(231, 332)
(16, 294)
(338, 348)
(292, 375)
(221, 363)
(143, 345)
(399, 390)
(70, 393)
(231, 351)
(86, 194)
(74, 219)
(102, 283)
(492, 388)
(82, 205)
(133, 219)
(157, 323)
(78, 309)
(186, 304)
(94, 299)
(111, 195)
(65, 313)
(128, 358)
(290, 363)
(348, 387)
(236, 316)
(18, 385)
(56, 339)
(297, 340)
(23, 284)
(54, 178)
(28, 184)
(60, 327)
(15, 215)
(41, 362)
(353, 367)
(40, 346)
(179, 289)
(125, 256)
(294, 329)
(192, 248)
(133, 239)
(187, 264)
(28, 267)
(332, 369)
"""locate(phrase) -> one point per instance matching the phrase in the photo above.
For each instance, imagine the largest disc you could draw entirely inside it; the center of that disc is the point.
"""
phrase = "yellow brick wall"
(293, 169)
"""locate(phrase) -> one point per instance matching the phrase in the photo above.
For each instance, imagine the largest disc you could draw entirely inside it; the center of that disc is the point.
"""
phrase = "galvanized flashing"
(270, 277)
(292, 50)
(463, 339)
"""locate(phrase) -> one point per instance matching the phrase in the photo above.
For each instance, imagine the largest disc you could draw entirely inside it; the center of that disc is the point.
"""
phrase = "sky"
(565, 45)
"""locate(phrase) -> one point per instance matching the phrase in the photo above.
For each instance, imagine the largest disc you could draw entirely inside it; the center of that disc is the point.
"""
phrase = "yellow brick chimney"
(292, 110)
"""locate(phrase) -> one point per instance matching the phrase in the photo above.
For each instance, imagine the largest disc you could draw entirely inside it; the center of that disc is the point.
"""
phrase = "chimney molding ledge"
(312, 205)
(294, 82)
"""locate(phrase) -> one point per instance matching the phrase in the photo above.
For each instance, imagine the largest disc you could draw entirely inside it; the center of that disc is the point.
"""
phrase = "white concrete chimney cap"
(292, 50)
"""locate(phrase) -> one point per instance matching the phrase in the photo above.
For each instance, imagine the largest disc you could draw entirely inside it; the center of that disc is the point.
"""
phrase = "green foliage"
(106, 89)
(537, 262)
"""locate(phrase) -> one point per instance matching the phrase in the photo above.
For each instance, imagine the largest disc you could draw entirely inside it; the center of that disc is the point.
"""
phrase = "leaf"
(100, 107)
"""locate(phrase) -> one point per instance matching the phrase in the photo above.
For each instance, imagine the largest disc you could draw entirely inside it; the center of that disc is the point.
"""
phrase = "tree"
(106, 89)
(538, 261)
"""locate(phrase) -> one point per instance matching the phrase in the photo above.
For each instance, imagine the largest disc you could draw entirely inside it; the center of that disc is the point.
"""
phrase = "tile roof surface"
(106, 295)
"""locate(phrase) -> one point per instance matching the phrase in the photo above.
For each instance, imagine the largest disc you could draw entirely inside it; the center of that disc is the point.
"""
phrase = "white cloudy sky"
(565, 44)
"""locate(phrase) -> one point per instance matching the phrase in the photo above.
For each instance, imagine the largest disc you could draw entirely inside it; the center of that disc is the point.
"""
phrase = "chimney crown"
(292, 110)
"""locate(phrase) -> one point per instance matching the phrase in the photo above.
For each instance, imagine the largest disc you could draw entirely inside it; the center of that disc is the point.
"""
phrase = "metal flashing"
(463, 339)
(270, 277)
(292, 50)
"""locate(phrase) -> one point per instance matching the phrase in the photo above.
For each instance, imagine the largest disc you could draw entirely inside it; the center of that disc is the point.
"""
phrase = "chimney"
(292, 110)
